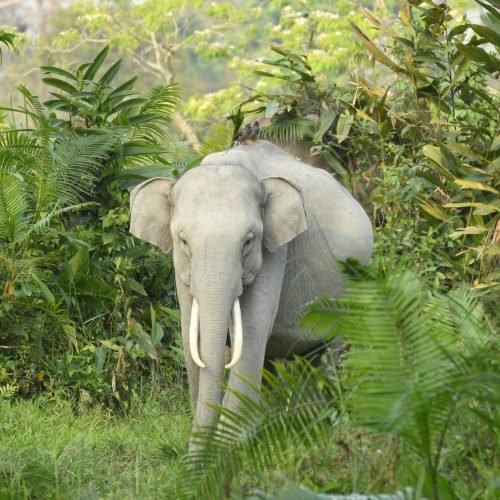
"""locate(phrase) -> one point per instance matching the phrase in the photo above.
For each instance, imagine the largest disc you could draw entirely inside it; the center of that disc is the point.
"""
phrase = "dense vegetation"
(91, 365)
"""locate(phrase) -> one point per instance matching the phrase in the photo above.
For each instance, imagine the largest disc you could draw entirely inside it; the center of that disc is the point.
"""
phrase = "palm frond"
(404, 375)
(8, 40)
(150, 124)
(41, 224)
(35, 110)
(294, 406)
(287, 129)
(14, 220)
(162, 99)
(76, 165)
(218, 139)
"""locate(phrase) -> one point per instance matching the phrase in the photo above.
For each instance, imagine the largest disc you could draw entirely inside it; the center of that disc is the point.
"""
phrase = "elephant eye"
(183, 242)
(248, 241)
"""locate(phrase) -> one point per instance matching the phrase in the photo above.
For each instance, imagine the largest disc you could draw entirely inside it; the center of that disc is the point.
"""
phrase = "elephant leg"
(193, 371)
(259, 306)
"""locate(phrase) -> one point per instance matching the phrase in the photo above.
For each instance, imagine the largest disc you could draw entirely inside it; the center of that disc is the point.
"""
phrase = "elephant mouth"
(237, 342)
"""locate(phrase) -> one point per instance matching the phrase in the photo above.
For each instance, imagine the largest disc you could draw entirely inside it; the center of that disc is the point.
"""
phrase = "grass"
(52, 449)
(48, 450)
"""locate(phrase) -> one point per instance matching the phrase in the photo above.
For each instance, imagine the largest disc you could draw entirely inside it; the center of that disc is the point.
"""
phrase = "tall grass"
(51, 449)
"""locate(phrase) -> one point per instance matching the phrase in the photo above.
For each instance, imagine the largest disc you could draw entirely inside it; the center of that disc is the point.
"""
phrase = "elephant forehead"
(217, 185)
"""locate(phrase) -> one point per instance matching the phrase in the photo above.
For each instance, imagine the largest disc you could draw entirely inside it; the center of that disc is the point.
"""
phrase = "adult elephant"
(255, 235)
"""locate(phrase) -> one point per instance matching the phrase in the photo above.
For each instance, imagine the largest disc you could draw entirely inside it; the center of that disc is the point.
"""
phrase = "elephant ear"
(284, 214)
(151, 212)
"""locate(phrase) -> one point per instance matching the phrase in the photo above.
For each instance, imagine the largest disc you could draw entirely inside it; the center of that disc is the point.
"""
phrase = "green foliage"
(415, 371)
(7, 39)
(422, 141)
(67, 257)
(443, 110)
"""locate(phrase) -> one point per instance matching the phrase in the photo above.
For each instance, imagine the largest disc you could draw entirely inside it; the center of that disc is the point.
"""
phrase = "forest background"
(398, 100)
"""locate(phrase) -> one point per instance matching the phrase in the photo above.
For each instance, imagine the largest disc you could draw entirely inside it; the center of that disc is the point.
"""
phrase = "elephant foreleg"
(259, 306)
(193, 372)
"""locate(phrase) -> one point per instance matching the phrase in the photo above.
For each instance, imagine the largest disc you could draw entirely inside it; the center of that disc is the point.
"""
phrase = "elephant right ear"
(151, 212)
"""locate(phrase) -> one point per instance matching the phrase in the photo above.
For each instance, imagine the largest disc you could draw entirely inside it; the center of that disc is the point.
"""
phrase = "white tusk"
(193, 334)
(238, 335)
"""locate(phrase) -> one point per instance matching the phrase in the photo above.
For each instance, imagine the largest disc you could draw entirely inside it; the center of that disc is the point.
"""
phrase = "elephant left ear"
(284, 213)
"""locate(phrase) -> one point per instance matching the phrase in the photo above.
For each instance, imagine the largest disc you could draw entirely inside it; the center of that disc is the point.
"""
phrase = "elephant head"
(219, 220)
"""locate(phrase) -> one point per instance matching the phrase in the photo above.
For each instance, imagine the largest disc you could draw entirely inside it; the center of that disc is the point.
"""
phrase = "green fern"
(8, 40)
(14, 219)
(77, 161)
(155, 113)
(294, 406)
(218, 139)
(412, 362)
(287, 129)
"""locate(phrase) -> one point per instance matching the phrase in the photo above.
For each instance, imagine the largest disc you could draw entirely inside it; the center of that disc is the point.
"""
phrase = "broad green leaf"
(468, 230)
(123, 87)
(100, 358)
(111, 72)
(363, 115)
(487, 33)
(134, 149)
(270, 75)
(434, 154)
(96, 64)
(60, 84)
(434, 210)
(79, 264)
(130, 103)
(271, 108)
(479, 55)
(58, 71)
(343, 127)
(496, 143)
(484, 209)
(49, 297)
(146, 171)
(110, 345)
(82, 95)
(146, 117)
(334, 163)
(475, 185)
(157, 333)
(327, 118)
(173, 313)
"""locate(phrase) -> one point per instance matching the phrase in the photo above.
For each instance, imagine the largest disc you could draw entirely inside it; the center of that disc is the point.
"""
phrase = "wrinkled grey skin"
(251, 222)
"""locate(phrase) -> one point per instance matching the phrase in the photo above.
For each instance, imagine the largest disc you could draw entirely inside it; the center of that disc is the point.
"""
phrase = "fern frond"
(287, 129)
(56, 212)
(19, 152)
(77, 161)
(162, 99)
(14, 220)
(155, 114)
(403, 376)
(36, 111)
(218, 139)
(8, 40)
(294, 406)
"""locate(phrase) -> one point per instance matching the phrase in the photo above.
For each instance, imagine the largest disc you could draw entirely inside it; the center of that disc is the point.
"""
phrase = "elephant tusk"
(238, 335)
(193, 334)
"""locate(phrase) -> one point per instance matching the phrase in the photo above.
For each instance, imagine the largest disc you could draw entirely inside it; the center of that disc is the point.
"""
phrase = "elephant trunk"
(215, 297)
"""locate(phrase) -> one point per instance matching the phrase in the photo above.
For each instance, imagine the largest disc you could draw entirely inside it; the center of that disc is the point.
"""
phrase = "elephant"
(256, 234)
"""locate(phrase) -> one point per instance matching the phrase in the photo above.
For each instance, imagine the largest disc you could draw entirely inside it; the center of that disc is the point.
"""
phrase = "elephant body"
(253, 224)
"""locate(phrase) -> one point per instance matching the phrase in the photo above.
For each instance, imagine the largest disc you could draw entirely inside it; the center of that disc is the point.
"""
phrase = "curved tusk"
(238, 335)
(193, 334)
